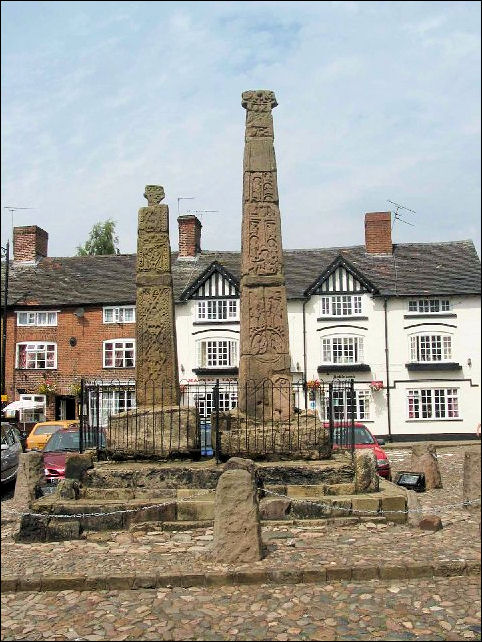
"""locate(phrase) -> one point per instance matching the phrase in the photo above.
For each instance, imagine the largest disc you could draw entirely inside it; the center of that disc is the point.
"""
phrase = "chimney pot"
(378, 233)
(30, 243)
(189, 235)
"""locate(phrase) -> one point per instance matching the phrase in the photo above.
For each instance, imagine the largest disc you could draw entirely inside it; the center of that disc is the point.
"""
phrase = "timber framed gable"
(341, 277)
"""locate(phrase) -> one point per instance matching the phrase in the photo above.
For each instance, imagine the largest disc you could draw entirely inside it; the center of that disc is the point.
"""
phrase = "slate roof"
(450, 268)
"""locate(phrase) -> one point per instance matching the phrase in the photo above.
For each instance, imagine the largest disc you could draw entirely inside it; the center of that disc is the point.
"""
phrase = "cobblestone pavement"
(442, 608)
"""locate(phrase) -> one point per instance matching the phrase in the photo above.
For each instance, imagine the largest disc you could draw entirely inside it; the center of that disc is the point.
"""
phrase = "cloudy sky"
(376, 101)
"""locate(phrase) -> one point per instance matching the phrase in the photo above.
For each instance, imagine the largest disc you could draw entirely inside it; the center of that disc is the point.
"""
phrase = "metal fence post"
(81, 417)
(216, 414)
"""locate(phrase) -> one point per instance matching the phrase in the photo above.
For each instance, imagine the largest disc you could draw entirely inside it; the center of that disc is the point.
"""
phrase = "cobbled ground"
(424, 609)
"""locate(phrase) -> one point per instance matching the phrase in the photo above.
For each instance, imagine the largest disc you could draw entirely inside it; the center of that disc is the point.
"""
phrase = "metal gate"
(341, 407)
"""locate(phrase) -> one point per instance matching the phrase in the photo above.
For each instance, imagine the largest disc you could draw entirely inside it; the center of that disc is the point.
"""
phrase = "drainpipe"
(304, 352)
(387, 370)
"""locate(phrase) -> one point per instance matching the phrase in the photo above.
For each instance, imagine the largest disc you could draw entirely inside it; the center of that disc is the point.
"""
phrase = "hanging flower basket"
(313, 384)
(376, 385)
(47, 388)
(75, 389)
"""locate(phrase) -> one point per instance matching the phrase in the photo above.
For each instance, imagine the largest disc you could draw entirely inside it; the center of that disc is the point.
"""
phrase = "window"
(342, 405)
(36, 356)
(119, 353)
(36, 318)
(123, 314)
(36, 414)
(217, 353)
(430, 347)
(342, 350)
(109, 402)
(433, 403)
(341, 305)
(428, 306)
(217, 310)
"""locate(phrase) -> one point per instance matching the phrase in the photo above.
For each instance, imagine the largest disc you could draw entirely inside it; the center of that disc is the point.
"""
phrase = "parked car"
(42, 431)
(11, 449)
(363, 439)
(62, 442)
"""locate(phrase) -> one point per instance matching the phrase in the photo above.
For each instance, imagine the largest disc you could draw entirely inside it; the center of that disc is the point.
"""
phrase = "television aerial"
(396, 214)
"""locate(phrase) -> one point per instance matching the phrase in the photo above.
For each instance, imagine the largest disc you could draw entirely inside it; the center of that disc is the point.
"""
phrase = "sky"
(377, 101)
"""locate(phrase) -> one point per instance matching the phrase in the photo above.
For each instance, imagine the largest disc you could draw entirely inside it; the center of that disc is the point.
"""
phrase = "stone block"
(107, 522)
(274, 508)
(120, 581)
(341, 507)
(9, 584)
(338, 573)
(305, 491)
(285, 577)
(430, 523)
(76, 464)
(315, 576)
(418, 569)
(251, 577)
(62, 582)
(366, 476)
(424, 460)
(310, 510)
(449, 568)
(239, 463)
(391, 507)
(392, 572)
(472, 478)
(367, 506)
(30, 474)
(219, 579)
(472, 567)
(195, 510)
(237, 527)
(206, 493)
(68, 489)
(364, 572)
(165, 512)
(414, 509)
(62, 529)
(29, 583)
(340, 489)
(108, 493)
(32, 529)
(96, 583)
(174, 579)
(192, 579)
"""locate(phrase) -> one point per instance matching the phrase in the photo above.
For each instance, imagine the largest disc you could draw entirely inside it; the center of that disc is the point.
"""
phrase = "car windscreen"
(70, 441)
(47, 430)
(361, 434)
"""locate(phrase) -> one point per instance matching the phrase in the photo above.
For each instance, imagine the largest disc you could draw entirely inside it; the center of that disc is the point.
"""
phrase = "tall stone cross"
(264, 369)
(157, 378)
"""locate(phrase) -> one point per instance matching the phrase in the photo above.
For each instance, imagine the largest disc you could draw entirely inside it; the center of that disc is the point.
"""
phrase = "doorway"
(65, 407)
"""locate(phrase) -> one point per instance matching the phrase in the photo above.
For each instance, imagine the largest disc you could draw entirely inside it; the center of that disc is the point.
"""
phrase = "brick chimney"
(189, 235)
(29, 243)
(378, 233)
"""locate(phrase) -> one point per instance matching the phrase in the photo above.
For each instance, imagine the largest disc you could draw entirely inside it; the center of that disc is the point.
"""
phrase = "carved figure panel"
(258, 100)
(153, 219)
(260, 186)
(259, 125)
(153, 253)
(267, 323)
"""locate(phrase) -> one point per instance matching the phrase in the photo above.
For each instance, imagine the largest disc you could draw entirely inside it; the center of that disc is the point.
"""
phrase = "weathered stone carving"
(156, 359)
(264, 372)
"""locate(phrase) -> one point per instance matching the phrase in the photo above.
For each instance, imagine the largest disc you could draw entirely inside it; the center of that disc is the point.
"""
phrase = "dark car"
(11, 449)
(62, 442)
(363, 439)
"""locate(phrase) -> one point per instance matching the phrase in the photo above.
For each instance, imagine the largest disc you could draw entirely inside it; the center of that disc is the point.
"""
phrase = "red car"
(66, 440)
(363, 439)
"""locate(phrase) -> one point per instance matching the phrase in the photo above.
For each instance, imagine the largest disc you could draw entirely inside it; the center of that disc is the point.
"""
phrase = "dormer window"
(345, 305)
(428, 306)
(217, 310)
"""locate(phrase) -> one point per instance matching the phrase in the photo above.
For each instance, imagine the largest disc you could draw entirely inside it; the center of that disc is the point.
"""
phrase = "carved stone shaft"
(157, 381)
(264, 371)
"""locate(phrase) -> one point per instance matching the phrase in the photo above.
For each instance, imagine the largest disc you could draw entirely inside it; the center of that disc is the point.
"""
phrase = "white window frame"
(363, 398)
(36, 318)
(437, 404)
(209, 355)
(112, 402)
(36, 414)
(341, 343)
(217, 310)
(34, 348)
(424, 305)
(119, 346)
(424, 347)
(341, 305)
(118, 313)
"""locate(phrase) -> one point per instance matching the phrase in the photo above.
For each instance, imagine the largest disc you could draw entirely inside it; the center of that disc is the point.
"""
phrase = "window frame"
(35, 343)
(207, 356)
(361, 395)
(342, 346)
(424, 400)
(34, 415)
(120, 348)
(116, 310)
(35, 318)
(204, 314)
(423, 305)
(429, 344)
(336, 305)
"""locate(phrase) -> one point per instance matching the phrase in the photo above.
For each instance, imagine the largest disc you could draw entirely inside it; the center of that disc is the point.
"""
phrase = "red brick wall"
(29, 243)
(378, 233)
(82, 360)
(189, 235)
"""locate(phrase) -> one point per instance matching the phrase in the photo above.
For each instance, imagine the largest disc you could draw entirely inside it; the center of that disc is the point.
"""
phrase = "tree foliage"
(102, 240)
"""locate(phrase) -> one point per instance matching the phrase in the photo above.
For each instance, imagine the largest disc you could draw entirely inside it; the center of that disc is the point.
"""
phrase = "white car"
(11, 449)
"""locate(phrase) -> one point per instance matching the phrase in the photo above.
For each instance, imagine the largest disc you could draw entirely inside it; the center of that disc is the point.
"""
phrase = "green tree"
(102, 240)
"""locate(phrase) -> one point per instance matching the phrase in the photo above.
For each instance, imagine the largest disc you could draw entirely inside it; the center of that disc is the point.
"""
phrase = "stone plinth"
(240, 435)
(471, 487)
(161, 431)
(29, 475)
(424, 460)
